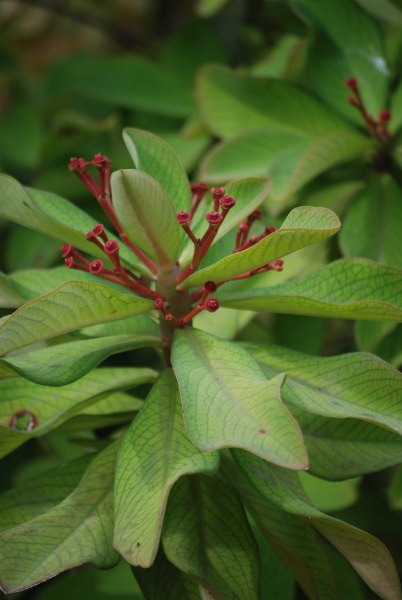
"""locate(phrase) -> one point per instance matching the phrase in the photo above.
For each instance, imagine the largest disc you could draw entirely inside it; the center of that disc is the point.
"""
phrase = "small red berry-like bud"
(69, 262)
(351, 83)
(212, 305)
(159, 303)
(100, 160)
(77, 164)
(385, 115)
(169, 317)
(277, 265)
(66, 250)
(183, 217)
(96, 266)
(227, 202)
(111, 247)
(213, 218)
(269, 230)
(210, 287)
(218, 192)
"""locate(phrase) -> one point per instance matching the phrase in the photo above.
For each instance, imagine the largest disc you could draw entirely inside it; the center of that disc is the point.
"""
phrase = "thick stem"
(179, 303)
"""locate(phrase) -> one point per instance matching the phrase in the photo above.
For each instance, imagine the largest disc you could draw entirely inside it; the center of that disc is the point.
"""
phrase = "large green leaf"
(136, 82)
(228, 402)
(295, 540)
(50, 406)
(206, 534)
(231, 104)
(155, 452)
(371, 227)
(153, 155)
(357, 37)
(146, 214)
(343, 448)
(345, 289)
(290, 159)
(52, 215)
(356, 385)
(368, 556)
(40, 493)
(70, 307)
(64, 363)
(75, 532)
(303, 226)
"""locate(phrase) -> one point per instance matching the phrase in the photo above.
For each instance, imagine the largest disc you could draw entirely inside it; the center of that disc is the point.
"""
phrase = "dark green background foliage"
(168, 474)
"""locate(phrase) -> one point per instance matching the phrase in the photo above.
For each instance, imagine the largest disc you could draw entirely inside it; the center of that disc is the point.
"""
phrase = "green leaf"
(50, 406)
(293, 538)
(50, 214)
(357, 36)
(75, 532)
(290, 159)
(371, 227)
(153, 155)
(146, 214)
(163, 580)
(9, 295)
(396, 109)
(206, 535)
(303, 226)
(356, 385)
(64, 363)
(40, 493)
(329, 495)
(228, 402)
(342, 448)
(136, 82)
(368, 334)
(368, 556)
(70, 307)
(231, 104)
(345, 289)
(207, 8)
(154, 454)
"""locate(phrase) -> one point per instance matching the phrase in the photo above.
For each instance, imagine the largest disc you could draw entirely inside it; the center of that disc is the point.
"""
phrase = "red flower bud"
(351, 83)
(212, 305)
(111, 247)
(66, 250)
(77, 164)
(218, 192)
(385, 115)
(159, 303)
(213, 218)
(96, 266)
(101, 161)
(98, 230)
(210, 287)
(183, 217)
(69, 262)
(227, 202)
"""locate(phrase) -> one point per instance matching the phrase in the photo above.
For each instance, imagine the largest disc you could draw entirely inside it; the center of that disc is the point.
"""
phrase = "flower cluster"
(377, 128)
(144, 286)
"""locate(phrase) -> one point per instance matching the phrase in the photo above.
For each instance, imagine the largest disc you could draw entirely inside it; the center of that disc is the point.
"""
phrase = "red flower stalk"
(183, 218)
